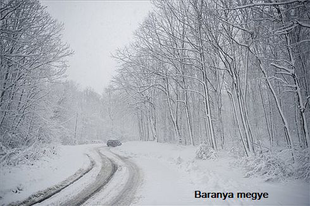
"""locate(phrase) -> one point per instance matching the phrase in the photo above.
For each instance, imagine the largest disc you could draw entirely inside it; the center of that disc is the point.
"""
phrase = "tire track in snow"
(123, 185)
(126, 196)
(108, 168)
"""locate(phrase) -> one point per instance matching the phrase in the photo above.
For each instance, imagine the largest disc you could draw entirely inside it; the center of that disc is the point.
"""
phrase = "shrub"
(303, 165)
(269, 166)
(205, 152)
(27, 155)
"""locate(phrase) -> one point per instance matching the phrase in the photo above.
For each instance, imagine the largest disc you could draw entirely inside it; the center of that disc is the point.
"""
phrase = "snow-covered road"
(149, 173)
(107, 179)
(113, 181)
(80, 191)
(121, 189)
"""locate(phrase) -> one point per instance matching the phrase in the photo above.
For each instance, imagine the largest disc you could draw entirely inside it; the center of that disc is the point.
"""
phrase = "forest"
(233, 75)
(230, 75)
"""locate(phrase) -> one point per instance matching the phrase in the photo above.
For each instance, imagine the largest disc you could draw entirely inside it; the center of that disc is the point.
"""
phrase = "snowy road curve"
(126, 196)
(121, 189)
(113, 181)
(105, 174)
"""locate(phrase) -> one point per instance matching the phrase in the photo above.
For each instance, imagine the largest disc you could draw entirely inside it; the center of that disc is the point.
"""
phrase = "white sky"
(94, 30)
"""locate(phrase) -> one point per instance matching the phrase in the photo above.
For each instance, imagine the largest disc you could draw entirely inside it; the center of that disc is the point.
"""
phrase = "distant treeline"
(37, 107)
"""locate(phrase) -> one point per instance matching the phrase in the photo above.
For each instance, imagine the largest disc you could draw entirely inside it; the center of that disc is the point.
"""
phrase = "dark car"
(113, 143)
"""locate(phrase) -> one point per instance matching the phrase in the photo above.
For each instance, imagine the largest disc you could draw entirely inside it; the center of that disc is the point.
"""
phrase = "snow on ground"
(44, 173)
(171, 174)
(114, 186)
(73, 191)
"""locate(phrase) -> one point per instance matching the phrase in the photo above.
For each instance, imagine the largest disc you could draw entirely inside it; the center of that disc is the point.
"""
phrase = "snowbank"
(19, 182)
(172, 174)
